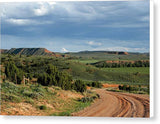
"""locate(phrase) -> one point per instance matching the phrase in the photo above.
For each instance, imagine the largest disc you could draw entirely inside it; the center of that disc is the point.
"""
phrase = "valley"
(36, 81)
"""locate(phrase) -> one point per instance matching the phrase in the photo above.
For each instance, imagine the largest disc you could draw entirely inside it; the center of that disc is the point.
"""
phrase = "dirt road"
(116, 104)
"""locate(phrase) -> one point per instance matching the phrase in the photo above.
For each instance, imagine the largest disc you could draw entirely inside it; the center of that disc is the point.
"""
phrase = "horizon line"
(75, 51)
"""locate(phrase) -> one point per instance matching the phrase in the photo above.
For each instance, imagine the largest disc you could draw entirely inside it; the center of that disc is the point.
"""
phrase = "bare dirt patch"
(110, 85)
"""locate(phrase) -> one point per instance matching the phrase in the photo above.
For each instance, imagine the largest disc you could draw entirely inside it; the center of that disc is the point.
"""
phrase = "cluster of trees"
(125, 87)
(122, 64)
(54, 77)
(94, 84)
(48, 76)
(46, 73)
(13, 73)
(79, 86)
(133, 88)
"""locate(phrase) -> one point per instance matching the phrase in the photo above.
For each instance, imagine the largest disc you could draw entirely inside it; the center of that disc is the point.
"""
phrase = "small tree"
(79, 86)
(120, 87)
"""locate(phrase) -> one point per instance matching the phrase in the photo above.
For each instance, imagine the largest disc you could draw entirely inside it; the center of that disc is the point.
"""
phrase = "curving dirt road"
(116, 104)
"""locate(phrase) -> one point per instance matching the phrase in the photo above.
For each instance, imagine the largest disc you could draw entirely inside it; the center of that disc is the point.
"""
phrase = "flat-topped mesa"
(31, 51)
(47, 51)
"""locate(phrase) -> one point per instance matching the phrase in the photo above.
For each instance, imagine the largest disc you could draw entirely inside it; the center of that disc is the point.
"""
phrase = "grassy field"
(140, 70)
(133, 75)
(85, 61)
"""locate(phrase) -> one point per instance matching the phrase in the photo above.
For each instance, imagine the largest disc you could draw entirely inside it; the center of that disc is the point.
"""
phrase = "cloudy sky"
(76, 26)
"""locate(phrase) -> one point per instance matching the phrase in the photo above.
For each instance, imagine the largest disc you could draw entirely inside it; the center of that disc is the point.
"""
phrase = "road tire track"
(117, 104)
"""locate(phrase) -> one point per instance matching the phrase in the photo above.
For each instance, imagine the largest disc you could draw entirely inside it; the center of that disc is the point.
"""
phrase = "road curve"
(117, 104)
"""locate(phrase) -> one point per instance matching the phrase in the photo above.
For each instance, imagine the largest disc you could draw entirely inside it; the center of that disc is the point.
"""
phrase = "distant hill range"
(44, 51)
(105, 52)
(30, 51)
(110, 55)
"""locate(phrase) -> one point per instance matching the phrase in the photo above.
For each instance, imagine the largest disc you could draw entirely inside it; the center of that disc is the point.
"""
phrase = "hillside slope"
(34, 99)
(31, 51)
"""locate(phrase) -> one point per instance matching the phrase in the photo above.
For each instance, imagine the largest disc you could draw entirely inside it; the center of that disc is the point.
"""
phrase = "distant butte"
(30, 51)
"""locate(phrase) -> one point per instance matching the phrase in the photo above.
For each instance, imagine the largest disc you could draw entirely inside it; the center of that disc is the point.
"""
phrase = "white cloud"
(51, 3)
(64, 50)
(125, 49)
(19, 21)
(42, 10)
(27, 21)
(92, 43)
(113, 49)
(27, 10)
(118, 49)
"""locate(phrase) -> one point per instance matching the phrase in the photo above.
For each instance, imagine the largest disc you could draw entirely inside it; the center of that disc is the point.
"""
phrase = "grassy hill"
(132, 75)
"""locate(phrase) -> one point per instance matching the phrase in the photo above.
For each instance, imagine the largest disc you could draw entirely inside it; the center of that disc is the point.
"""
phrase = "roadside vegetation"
(131, 89)
(42, 100)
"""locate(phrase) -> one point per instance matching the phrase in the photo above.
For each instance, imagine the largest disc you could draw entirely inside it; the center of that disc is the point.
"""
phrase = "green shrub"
(11, 98)
(31, 94)
(86, 99)
(9, 88)
(37, 88)
(79, 86)
(29, 100)
(67, 113)
(134, 89)
(98, 96)
(93, 84)
(42, 107)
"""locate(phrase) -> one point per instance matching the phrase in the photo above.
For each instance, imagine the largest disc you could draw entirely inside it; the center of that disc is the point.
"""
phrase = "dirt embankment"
(110, 85)
(113, 104)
